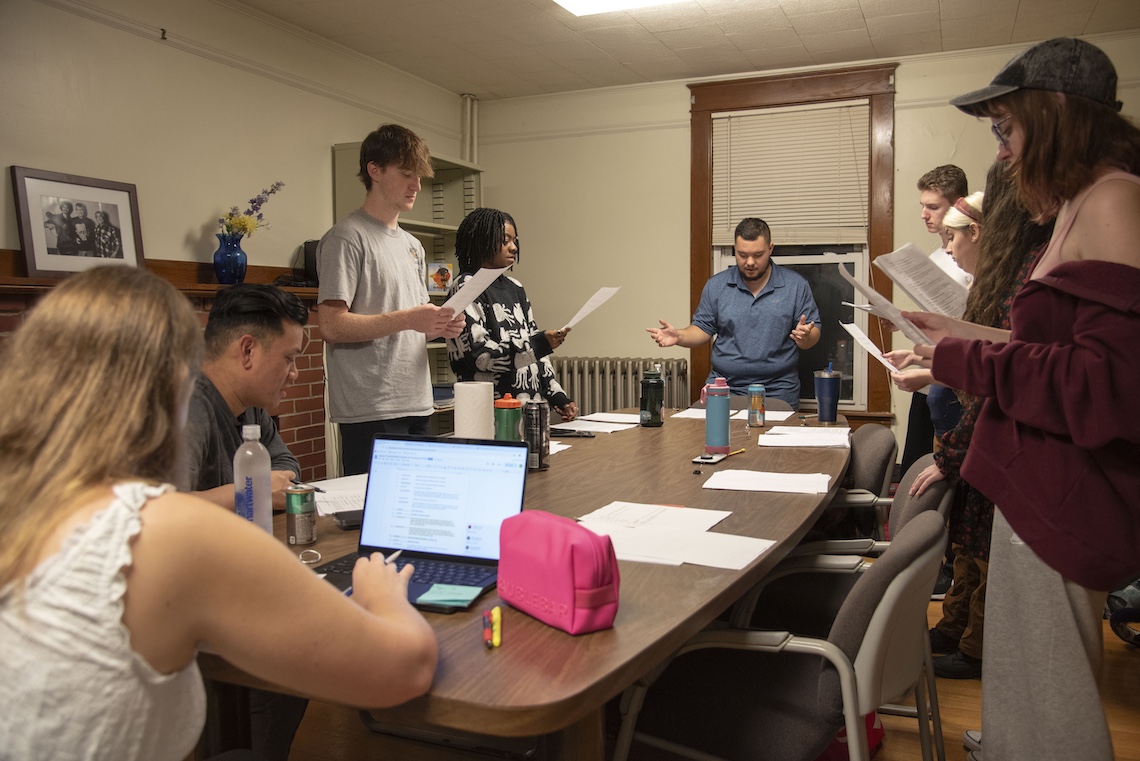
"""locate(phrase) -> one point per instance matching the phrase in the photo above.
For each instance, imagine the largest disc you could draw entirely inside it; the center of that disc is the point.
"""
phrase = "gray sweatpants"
(1043, 650)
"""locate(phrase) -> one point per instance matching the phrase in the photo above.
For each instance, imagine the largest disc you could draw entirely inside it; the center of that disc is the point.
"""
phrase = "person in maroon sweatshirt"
(1057, 444)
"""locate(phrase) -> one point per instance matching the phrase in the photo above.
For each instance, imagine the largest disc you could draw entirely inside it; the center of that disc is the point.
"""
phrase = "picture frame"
(439, 276)
(69, 223)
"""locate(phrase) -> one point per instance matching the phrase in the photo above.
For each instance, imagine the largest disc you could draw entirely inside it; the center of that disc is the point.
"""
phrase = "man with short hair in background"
(762, 315)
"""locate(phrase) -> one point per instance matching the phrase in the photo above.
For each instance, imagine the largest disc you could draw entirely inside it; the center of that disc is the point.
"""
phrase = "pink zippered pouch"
(558, 571)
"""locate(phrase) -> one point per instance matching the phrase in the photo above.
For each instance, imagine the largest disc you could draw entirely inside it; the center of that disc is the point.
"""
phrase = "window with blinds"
(804, 170)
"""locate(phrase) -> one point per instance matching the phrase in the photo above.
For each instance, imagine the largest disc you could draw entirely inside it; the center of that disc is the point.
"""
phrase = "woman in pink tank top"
(1057, 442)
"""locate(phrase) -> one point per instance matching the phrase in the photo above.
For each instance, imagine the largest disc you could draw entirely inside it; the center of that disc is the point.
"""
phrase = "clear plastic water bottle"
(253, 489)
(716, 417)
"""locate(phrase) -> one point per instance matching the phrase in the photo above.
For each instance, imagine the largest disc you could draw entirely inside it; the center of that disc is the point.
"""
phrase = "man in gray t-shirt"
(375, 314)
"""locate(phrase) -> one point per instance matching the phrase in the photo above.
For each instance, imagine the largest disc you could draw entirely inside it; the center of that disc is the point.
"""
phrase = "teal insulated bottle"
(716, 417)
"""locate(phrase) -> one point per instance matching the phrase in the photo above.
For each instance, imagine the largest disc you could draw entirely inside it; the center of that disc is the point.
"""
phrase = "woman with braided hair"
(501, 342)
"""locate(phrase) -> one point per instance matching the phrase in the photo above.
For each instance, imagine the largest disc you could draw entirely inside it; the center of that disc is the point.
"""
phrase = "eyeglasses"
(1001, 137)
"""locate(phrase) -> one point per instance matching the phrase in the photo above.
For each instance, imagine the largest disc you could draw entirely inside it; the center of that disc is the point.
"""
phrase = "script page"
(925, 282)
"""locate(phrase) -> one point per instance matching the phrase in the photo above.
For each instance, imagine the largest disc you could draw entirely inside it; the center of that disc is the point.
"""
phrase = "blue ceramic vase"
(229, 259)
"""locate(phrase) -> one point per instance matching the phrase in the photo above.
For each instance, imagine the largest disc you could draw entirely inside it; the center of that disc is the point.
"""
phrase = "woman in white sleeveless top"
(1057, 443)
(110, 582)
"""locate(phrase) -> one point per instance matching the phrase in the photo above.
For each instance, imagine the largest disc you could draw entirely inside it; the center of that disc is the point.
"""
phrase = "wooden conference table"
(545, 682)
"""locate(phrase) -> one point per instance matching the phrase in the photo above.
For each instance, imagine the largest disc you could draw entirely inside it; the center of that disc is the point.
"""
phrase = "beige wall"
(200, 122)
(599, 183)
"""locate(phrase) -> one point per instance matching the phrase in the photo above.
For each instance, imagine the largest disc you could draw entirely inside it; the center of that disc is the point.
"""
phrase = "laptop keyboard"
(427, 571)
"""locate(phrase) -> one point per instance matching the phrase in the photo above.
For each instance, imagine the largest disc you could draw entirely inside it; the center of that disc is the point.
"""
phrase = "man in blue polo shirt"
(761, 314)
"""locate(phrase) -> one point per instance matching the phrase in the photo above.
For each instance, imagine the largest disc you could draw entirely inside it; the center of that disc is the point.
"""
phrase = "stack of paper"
(672, 535)
(804, 436)
(341, 494)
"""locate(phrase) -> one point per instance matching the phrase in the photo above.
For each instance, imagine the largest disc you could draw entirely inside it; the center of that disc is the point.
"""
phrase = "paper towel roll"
(474, 410)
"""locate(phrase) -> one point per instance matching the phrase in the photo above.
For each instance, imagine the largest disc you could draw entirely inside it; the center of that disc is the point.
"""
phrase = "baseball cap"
(1064, 64)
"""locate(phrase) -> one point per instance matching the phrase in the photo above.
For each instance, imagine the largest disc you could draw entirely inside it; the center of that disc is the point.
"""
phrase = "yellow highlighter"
(496, 626)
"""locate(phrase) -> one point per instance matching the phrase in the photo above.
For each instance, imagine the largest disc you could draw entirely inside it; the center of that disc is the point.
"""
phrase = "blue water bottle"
(716, 417)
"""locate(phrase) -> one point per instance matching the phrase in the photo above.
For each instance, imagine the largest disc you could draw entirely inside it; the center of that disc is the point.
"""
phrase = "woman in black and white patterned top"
(501, 342)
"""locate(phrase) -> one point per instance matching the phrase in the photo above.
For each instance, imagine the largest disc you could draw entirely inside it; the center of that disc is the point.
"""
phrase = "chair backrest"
(881, 624)
(873, 452)
(938, 496)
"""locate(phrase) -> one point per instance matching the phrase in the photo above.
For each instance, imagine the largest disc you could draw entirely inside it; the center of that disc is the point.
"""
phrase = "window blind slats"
(804, 171)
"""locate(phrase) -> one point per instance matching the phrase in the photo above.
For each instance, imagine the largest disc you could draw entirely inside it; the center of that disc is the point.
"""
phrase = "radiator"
(602, 384)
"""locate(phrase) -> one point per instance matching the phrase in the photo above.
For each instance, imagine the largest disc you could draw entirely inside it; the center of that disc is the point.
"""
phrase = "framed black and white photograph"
(70, 223)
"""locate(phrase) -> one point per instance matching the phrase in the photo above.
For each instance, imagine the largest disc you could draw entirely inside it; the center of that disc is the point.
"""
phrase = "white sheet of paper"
(698, 413)
(636, 515)
(671, 546)
(758, 480)
(341, 494)
(777, 416)
(601, 297)
(473, 288)
(558, 446)
(881, 307)
(593, 426)
(867, 344)
(613, 417)
(927, 284)
(803, 436)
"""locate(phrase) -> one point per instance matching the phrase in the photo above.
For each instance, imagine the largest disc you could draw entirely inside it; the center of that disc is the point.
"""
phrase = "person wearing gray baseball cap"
(1058, 437)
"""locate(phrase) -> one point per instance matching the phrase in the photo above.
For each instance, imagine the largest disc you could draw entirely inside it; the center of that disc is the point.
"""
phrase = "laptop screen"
(443, 496)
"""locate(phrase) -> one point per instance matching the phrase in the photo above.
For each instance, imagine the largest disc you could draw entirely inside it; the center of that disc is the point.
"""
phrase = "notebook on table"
(440, 501)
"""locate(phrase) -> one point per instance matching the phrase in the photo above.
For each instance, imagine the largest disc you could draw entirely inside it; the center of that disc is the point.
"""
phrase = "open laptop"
(440, 501)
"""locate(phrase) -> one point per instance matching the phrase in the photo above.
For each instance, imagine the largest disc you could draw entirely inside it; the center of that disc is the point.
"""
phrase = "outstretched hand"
(666, 335)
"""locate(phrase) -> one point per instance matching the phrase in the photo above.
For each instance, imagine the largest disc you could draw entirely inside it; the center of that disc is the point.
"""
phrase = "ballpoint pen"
(738, 451)
(392, 558)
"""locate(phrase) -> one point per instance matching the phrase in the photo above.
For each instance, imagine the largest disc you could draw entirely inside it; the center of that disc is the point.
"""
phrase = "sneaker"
(940, 644)
(958, 665)
(943, 584)
(972, 739)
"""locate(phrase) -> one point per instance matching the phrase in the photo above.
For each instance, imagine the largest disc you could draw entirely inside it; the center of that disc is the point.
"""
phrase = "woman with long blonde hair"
(110, 582)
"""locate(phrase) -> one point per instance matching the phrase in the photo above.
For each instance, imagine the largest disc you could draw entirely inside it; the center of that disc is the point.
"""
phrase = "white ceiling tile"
(874, 8)
(1044, 27)
(907, 44)
(971, 11)
(909, 23)
(853, 44)
(828, 21)
(696, 37)
(779, 58)
(663, 68)
(1113, 16)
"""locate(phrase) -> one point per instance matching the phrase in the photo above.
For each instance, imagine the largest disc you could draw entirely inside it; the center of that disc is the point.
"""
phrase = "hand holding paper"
(882, 307)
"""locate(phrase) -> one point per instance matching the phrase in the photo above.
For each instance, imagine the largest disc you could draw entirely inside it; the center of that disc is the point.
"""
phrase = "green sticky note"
(450, 594)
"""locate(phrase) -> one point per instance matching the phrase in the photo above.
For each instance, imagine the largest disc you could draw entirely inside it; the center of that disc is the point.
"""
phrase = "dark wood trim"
(192, 278)
(700, 237)
(877, 84)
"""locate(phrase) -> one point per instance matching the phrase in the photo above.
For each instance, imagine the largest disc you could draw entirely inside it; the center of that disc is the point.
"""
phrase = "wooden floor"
(333, 733)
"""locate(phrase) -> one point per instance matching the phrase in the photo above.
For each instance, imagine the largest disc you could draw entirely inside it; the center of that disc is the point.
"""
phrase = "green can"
(301, 514)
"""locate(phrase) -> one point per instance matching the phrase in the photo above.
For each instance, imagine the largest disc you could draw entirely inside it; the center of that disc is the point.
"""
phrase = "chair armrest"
(834, 547)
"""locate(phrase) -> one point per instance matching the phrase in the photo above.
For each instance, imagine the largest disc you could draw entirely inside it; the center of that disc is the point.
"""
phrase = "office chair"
(745, 693)
(812, 572)
(859, 509)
